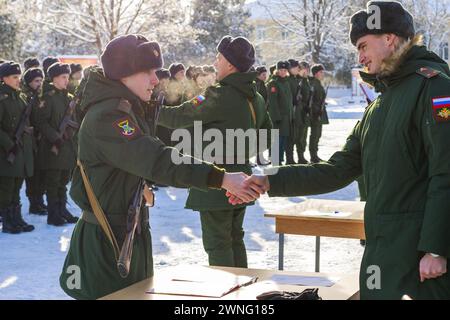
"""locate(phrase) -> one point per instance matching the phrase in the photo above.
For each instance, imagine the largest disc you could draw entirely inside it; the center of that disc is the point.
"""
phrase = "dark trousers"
(35, 184)
(56, 184)
(315, 135)
(223, 237)
(282, 146)
(10, 191)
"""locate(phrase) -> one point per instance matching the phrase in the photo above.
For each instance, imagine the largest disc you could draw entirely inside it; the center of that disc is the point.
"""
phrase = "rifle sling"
(98, 211)
(252, 111)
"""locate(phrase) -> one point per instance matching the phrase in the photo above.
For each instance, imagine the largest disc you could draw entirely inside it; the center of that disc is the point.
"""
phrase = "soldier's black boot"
(65, 213)
(301, 159)
(18, 219)
(9, 225)
(315, 158)
(54, 217)
(36, 206)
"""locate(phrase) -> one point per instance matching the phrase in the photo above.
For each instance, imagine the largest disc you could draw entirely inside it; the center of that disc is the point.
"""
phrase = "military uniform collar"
(7, 90)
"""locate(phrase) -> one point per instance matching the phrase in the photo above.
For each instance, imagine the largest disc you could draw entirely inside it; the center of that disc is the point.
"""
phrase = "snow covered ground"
(30, 264)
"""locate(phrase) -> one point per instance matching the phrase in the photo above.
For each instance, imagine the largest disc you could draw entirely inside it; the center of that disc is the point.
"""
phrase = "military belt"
(117, 220)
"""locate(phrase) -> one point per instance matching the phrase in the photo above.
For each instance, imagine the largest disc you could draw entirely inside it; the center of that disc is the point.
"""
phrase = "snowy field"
(30, 264)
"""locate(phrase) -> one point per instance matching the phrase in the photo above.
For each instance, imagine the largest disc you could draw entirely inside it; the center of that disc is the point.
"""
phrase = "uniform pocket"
(407, 155)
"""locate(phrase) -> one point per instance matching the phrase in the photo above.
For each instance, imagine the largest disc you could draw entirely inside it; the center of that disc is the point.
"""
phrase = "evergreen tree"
(217, 18)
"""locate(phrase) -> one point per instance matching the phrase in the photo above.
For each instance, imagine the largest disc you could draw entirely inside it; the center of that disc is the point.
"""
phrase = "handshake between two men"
(242, 188)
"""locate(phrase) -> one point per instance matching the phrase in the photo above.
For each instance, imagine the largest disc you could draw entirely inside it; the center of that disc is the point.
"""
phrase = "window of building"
(285, 35)
(260, 33)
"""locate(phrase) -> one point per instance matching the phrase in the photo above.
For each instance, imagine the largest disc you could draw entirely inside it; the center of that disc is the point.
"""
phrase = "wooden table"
(345, 287)
(296, 220)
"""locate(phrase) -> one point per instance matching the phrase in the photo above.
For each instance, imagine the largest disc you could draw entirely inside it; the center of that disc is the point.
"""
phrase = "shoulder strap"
(252, 111)
(98, 211)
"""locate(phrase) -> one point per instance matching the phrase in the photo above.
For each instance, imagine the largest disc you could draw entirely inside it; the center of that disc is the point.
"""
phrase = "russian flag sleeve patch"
(441, 109)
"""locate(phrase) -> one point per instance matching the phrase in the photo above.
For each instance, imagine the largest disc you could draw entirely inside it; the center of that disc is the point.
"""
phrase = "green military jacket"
(50, 114)
(224, 106)
(12, 106)
(34, 120)
(262, 89)
(116, 149)
(401, 147)
(318, 96)
(302, 114)
(280, 104)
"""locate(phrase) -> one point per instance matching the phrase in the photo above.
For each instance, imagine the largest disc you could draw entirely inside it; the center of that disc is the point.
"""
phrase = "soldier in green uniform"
(176, 92)
(163, 78)
(117, 150)
(302, 113)
(57, 152)
(76, 73)
(294, 82)
(231, 104)
(401, 148)
(46, 63)
(31, 62)
(261, 77)
(317, 116)
(175, 95)
(32, 88)
(280, 104)
(16, 153)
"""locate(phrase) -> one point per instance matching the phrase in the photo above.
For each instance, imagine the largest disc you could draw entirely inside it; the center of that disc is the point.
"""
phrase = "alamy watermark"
(234, 146)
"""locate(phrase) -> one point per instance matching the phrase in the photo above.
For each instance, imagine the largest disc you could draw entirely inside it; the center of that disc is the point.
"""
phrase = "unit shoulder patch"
(441, 109)
(127, 128)
(427, 72)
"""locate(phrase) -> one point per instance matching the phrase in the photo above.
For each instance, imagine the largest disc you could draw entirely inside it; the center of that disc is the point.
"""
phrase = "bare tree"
(432, 20)
(313, 25)
(96, 22)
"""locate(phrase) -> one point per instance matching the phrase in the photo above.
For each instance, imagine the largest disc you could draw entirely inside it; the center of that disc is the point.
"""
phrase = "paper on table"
(201, 288)
(304, 280)
(337, 214)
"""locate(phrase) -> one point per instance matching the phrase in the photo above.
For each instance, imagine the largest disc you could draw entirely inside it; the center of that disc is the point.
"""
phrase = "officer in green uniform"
(231, 104)
(57, 152)
(302, 113)
(316, 110)
(32, 87)
(280, 104)
(401, 148)
(13, 170)
(117, 150)
(294, 84)
(76, 73)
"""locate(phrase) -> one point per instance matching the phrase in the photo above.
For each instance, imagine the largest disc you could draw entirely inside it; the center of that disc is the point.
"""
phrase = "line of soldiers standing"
(181, 84)
(295, 101)
(33, 108)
